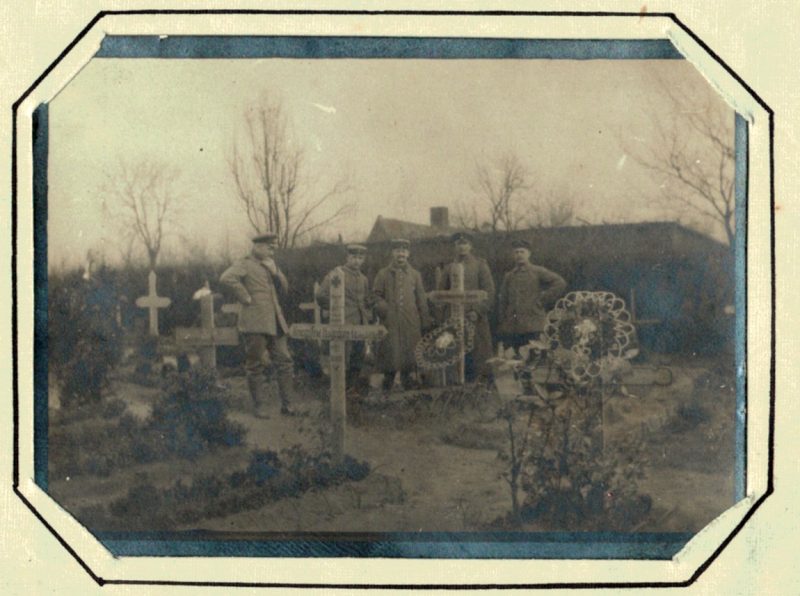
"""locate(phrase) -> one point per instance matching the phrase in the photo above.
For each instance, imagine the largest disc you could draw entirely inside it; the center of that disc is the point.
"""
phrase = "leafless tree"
(141, 197)
(693, 158)
(500, 190)
(272, 186)
(506, 200)
(552, 209)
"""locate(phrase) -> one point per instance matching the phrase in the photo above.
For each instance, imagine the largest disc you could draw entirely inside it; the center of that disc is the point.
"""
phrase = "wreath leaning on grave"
(589, 334)
(439, 348)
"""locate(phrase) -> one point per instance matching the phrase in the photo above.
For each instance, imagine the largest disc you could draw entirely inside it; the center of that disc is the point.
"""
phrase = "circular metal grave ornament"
(589, 335)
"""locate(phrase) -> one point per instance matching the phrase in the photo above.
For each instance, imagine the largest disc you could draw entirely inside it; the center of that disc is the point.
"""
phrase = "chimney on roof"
(440, 217)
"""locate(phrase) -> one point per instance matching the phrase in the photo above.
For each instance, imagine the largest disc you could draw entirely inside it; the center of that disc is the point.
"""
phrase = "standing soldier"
(357, 310)
(402, 305)
(257, 282)
(477, 276)
(525, 292)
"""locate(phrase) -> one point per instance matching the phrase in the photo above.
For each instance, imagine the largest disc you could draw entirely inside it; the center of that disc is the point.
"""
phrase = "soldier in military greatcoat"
(357, 310)
(402, 305)
(258, 284)
(477, 276)
(527, 290)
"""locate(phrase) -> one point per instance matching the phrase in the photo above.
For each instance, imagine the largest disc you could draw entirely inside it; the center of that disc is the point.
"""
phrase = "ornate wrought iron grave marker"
(337, 333)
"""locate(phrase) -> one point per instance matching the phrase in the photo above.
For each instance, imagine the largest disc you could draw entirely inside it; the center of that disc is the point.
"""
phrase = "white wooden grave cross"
(207, 337)
(457, 298)
(152, 301)
(337, 332)
(313, 306)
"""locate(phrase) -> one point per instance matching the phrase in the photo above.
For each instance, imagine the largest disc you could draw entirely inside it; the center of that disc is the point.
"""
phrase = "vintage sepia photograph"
(361, 298)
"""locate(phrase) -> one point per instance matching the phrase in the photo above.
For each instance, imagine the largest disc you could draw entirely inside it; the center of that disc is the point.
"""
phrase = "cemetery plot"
(154, 448)
(425, 459)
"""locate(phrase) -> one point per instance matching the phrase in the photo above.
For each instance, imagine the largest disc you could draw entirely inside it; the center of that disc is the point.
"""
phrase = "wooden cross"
(337, 332)
(313, 306)
(207, 337)
(457, 298)
(152, 301)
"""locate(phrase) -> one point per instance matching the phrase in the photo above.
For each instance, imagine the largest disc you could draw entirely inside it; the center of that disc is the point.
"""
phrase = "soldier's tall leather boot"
(255, 383)
(286, 391)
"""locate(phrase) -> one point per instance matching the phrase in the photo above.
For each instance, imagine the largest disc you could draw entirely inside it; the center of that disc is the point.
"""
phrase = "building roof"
(386, 228)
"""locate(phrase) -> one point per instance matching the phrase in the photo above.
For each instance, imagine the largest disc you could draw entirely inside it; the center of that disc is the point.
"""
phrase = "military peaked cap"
(400, 243)
(461, 237)
(265, 239)
(356, 249)
(520, 244)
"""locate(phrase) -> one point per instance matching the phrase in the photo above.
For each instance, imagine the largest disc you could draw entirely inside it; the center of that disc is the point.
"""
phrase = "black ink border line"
(771, 430)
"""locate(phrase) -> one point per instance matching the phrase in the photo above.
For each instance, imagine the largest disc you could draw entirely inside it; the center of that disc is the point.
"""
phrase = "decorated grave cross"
(337, 332)
(152, 301)
(457, 298)
(208, 336)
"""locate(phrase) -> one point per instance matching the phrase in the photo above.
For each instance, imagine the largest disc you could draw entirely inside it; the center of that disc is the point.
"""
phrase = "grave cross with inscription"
(153, 302)
(337, 333)
(457, 298)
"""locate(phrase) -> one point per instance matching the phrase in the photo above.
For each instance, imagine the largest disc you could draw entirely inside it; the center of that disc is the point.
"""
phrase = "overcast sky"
(407, 132)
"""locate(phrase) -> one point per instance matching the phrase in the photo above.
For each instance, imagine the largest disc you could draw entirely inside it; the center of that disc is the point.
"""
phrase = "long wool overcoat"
(255, 289)
(524, 294)
(402, 305)
(477, 276)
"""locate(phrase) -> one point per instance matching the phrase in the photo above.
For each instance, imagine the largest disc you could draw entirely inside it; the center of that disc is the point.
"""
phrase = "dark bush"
(188, 420)
(269, 476)
(192, 415)
(84, 340)
(556, 459)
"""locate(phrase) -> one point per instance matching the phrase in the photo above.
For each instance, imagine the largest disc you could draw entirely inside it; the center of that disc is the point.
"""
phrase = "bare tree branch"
(271, 183)
(141, 198)
(694, 158)
(501, 189)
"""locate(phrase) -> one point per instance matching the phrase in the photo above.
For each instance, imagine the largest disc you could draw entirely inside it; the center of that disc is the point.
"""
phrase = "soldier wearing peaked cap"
(258, 283)
(477, 276)
(525, 293)
(357, 310)
(402, 305)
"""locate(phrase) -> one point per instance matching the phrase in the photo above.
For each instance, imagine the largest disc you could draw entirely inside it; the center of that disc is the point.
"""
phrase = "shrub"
(191, 414)
(188, 420)
(568, 478)
(270, 476)
(84, 340)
